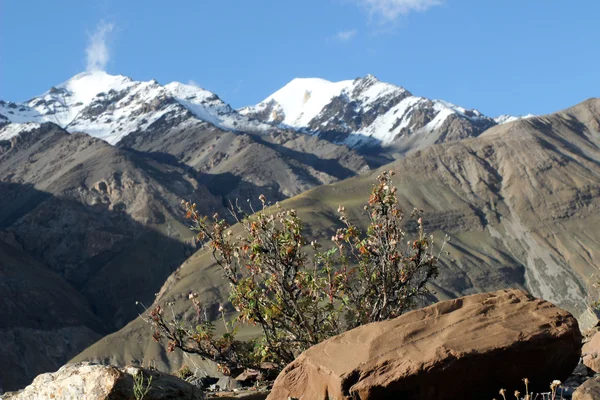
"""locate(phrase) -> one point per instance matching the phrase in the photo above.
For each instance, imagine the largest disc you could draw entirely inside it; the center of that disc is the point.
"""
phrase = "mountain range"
(92, 173)
(521, 204)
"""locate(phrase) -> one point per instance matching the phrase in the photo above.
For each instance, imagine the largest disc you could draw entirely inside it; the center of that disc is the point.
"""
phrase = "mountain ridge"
(366, 111)
(111, 107)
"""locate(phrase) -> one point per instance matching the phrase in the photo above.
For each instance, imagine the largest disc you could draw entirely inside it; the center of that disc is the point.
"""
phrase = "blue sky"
(506, 56)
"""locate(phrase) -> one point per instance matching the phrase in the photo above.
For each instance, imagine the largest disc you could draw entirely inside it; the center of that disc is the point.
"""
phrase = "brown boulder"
(249, 376)
(103, 382)
(466, 348)
(591, 353)
(590, 390)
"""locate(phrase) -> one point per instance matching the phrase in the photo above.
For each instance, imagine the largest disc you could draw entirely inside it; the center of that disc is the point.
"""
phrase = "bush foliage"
(297, 299)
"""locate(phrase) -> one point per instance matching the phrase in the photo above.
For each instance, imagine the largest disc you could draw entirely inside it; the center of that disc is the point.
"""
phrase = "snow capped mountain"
(300, 101)
(361, 113)
(110, 107)
(505, 118)
(366, 111)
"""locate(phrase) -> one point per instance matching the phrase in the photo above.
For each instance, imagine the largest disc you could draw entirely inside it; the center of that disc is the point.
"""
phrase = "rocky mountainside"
(184, 124)
(521, 203)
(92, 173)
(43, 320)
(296, 139)
(103, 222)
(242, 165)
(366, 113)
(444, 351)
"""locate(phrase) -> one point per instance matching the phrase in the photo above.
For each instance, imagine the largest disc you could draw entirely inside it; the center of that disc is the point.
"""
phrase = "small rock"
(203, 382)
(591, 353)
(242, 395)
(228, 383)
(590, 390)
(249, 376)
(269, 370)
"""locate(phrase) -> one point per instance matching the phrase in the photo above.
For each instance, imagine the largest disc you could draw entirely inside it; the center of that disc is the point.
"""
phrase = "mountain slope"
(240, 165)
(367, 112)
(82, 207)
(104, 221)
(43, 320)
(521, 203)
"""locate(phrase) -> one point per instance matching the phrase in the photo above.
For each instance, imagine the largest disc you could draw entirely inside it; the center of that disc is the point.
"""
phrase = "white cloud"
(344, 36)
(389, 10)
(192, 82)
(97, 52)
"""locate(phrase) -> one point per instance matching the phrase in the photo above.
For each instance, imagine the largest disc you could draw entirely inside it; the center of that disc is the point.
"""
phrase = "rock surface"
(100, 382)
(591, 353)
(465, 348)
(590, 390)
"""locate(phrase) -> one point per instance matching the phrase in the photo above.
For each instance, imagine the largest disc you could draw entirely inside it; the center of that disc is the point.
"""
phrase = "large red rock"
(466, 348)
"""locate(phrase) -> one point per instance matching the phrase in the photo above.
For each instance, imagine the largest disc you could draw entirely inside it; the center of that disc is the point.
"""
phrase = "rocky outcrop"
(465, 348)
(100, 382)
(590, 390)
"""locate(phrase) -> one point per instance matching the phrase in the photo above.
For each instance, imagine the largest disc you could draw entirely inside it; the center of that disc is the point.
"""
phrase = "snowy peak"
(298, 102)
(370, 90)
(505, 118)
(304, 99)
(360, 112)
(112, 106)
(84, 87)
(366, 111)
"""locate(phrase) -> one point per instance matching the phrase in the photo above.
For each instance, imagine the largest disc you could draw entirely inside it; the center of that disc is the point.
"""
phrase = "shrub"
(298, 300)
(184, 372)
(141, 386)
(391, 273)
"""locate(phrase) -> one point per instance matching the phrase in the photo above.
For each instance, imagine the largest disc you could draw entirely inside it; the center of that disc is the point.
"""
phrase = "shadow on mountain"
(328, 166)
(44, 321)
(18, 200)
(111, 259)
(231, 188)
(78, 271)
(549, 133)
